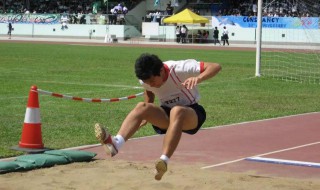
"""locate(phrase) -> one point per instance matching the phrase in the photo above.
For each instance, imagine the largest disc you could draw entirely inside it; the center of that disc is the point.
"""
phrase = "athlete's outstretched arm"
(148, 98)
(210, 70)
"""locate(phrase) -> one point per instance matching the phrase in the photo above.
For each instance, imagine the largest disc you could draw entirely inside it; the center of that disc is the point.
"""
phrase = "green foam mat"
(46, 159)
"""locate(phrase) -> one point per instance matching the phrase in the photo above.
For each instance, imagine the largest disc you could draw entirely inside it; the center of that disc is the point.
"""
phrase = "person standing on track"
(216, 36)
(175, 85)
(225, 36)
(10, 28)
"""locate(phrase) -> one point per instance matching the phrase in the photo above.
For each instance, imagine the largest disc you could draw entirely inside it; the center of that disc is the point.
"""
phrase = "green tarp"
(46, 159)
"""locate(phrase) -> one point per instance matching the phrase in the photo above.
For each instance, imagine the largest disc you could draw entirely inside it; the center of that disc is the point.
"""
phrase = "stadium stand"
(296, 8)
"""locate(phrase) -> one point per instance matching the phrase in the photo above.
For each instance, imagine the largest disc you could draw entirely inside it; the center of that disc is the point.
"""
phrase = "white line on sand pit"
(268, 153)
(285, 162)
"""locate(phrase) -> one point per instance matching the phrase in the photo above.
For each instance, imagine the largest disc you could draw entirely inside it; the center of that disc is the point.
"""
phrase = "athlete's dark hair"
(148, 65)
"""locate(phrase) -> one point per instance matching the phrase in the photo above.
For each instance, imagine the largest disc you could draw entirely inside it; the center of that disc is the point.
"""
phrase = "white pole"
(259, 35)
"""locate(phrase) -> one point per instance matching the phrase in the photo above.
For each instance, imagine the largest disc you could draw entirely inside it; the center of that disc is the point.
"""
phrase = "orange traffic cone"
(31, 138)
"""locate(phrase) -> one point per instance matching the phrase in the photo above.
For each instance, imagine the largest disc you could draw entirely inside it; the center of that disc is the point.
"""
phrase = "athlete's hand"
(190, 82)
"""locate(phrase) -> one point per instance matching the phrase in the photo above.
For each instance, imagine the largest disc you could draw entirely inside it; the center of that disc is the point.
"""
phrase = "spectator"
(178, 33)
(124, 10)
(216, 36)
(64, 21)
(254, 9)
(205, 35)
(73, 18)
(184, 34)
(225, 35)
(113, 16)
(119, 8)
(27, 12)
(169, 9)
(10, 28)
(199, 37)
(158, 17)
(81, 18)
(86, 18)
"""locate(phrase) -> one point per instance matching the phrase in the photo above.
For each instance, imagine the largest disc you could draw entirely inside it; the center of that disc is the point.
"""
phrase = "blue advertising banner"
(30, 18)
(268, 22)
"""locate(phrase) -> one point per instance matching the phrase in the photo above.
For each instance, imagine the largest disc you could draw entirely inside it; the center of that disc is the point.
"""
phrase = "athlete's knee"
(178, 112)
(142, 107)
(184, 117)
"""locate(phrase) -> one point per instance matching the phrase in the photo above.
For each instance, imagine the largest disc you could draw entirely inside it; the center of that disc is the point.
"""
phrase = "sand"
(122, 175)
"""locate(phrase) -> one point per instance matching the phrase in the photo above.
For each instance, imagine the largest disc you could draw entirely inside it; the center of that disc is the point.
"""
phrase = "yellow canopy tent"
(186, 16)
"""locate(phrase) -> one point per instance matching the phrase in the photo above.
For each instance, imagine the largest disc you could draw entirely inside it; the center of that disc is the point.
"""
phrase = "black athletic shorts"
(201, 113)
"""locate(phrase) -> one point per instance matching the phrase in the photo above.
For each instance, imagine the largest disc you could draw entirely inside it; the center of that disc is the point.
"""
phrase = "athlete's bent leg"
(143, 111)
(181, 118)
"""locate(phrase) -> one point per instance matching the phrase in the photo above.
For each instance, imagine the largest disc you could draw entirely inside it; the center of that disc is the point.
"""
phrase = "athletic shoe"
(161, 168)
(105, 139)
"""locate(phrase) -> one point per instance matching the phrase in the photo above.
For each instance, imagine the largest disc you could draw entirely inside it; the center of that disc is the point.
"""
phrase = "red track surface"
(225, 148)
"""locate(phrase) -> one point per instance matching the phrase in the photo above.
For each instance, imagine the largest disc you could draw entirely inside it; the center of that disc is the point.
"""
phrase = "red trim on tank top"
(167, 71)
(201, 66)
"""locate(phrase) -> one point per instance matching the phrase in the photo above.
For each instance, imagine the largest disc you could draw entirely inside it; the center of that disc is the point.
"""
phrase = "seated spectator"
(199, 37)
(205, 35)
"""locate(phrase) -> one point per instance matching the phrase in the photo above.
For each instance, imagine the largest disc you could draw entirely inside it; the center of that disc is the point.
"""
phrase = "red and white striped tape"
(89, 99)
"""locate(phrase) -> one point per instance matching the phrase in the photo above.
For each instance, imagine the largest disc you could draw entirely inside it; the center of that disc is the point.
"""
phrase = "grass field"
(233, 96)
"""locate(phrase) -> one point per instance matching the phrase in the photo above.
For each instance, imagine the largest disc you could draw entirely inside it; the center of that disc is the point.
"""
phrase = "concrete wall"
(168, 32)
(74, 30)
(275, 35)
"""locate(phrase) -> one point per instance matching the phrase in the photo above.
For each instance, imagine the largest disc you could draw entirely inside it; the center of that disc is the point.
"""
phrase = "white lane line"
(259, 155)
(285, 162)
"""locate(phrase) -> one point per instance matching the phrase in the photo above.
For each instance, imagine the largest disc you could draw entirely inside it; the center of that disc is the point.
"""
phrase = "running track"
(225, 148)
